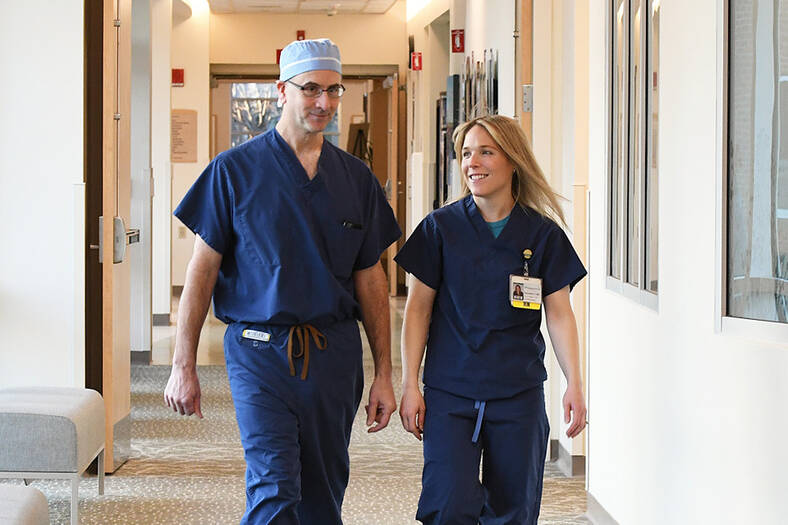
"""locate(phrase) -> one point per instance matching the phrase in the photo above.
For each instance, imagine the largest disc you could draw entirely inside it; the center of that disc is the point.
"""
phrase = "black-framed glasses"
(313, 90)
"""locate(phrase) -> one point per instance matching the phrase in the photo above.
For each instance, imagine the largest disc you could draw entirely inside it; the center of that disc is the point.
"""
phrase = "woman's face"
(486, 169)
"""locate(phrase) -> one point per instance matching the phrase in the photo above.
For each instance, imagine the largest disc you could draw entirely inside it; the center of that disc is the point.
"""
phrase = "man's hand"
(183, 391)
(411, 411)
(183, 388)
(381, 404)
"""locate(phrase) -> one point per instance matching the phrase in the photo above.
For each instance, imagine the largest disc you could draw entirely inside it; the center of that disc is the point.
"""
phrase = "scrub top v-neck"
(479, 346)
(290, 244)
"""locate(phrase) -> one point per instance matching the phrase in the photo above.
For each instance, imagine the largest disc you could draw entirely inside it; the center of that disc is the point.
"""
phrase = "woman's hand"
(574, 410)
(411, 411)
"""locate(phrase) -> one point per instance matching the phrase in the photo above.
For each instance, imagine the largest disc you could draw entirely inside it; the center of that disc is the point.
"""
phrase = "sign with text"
(183, 147)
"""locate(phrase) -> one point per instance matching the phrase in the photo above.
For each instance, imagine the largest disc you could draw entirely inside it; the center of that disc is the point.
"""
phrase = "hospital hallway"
(189, 471)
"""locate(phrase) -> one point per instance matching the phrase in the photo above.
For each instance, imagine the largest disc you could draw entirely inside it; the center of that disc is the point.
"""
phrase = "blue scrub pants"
(295, 432)
(513, 437)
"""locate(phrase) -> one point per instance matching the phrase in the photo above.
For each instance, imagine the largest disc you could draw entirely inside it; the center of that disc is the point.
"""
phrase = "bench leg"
(101, 473)
(75, 500)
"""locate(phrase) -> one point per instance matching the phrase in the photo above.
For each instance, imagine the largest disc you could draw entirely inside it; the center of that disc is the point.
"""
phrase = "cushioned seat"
(21, 505)
(51, 433)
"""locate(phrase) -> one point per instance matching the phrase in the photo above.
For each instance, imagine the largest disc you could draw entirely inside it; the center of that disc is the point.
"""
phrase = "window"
(253, 110)
(757, 178)
(633, 212)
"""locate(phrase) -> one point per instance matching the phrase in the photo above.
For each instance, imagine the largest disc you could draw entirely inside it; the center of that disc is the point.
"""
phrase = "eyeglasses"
(313, 90)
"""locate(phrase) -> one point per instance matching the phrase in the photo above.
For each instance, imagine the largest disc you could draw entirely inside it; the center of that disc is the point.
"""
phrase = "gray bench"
(21, 505)
(51, 433)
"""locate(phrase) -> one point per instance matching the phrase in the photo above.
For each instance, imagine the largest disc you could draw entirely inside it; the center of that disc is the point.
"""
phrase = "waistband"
(298, 338)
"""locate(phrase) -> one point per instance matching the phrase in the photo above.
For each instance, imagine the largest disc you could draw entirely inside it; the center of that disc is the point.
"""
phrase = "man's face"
(310, 115)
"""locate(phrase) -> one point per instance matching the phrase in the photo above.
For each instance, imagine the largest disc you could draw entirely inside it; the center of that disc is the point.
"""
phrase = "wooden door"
(526, 62)
(107, 153)
(379, 145)
(384, 136)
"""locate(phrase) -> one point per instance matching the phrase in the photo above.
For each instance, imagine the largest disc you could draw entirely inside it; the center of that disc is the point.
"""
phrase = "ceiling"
(312, 7)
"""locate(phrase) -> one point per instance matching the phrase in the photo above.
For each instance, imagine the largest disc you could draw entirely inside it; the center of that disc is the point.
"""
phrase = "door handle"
(122, 238)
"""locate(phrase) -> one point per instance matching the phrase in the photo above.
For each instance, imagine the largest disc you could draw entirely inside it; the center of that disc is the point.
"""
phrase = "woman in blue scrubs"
(484, 371)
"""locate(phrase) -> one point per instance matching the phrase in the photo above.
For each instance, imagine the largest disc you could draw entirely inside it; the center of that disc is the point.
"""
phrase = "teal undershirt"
(497, 227)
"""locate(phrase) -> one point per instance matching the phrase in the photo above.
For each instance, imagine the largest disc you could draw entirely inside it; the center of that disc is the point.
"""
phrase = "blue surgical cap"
(308, 55)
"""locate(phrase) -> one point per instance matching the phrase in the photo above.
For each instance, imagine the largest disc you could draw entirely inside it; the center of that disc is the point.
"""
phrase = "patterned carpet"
(189, 471)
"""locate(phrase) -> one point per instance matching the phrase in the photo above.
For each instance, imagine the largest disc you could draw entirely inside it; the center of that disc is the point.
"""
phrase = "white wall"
(141, 188)
(42, 194)
(161, 28)
(489, 24)
(686, 421)
(560, 142)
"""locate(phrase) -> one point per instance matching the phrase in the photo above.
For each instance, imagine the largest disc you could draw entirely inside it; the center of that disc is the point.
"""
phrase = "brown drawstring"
(303, 331)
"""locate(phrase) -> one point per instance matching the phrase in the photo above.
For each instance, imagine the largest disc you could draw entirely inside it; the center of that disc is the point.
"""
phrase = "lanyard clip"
(526, 255)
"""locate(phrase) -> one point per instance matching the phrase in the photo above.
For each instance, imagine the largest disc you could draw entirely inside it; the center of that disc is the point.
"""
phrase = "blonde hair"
(529, 185)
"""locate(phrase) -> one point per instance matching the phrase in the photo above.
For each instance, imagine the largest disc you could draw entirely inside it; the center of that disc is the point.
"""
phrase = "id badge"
(525, 292)
(256, 335)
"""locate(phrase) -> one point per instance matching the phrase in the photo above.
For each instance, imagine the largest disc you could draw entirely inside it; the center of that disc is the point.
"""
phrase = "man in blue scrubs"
(290, 230)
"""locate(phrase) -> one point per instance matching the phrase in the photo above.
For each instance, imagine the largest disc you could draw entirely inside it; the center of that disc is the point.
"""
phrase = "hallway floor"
(189, 471)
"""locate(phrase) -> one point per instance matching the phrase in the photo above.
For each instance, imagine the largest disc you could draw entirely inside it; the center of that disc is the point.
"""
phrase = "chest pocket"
(481, 288)
(267, 236)
(343, 239)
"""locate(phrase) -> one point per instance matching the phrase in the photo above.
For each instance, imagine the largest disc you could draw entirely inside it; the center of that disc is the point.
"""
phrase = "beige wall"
(190, 51)
(362, 39)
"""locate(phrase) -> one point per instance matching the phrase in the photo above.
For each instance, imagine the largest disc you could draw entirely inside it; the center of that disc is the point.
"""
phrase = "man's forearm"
(192, 310)
(372, 294)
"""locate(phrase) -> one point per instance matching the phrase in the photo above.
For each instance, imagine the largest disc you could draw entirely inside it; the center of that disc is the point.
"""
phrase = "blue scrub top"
(289, 244)
(479, 346)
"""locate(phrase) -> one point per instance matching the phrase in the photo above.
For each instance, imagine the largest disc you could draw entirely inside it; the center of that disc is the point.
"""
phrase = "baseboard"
(568, 464)
(596, 513)
(177, 290)
(142, 357)
(161, 319)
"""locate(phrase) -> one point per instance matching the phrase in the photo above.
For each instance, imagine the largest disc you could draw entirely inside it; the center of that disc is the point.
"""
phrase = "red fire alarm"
(415, 61)
(177, 77)
(278, 54)
(458, 40)
(300, 34)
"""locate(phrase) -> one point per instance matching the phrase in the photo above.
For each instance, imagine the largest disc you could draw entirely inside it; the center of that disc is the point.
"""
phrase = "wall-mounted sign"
(300, 34)
(415, 61)
(458, 40)
(177, 77)
(183, 123)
